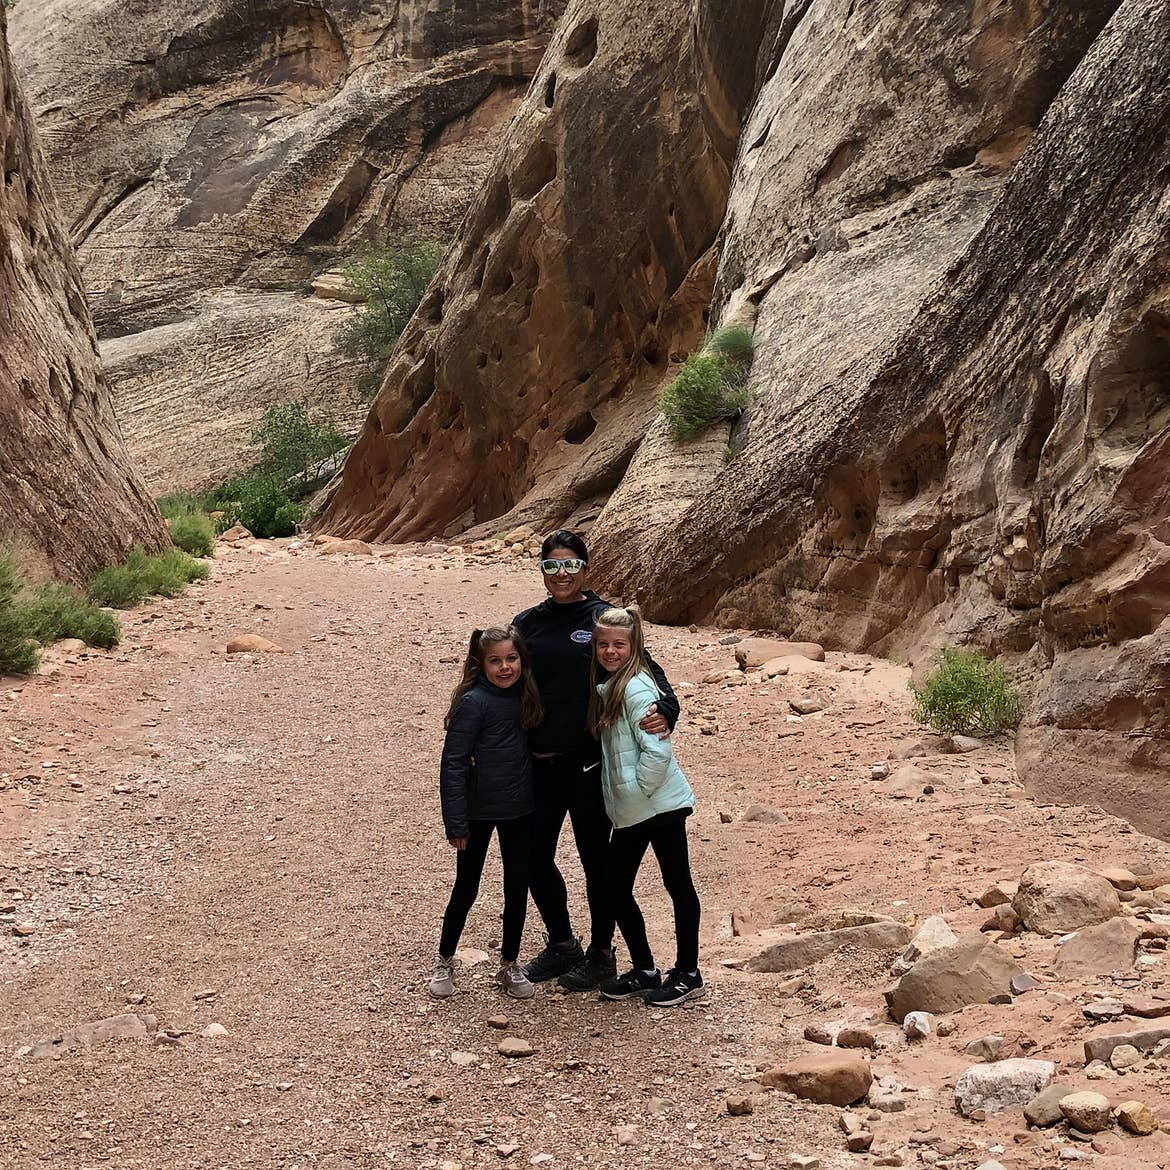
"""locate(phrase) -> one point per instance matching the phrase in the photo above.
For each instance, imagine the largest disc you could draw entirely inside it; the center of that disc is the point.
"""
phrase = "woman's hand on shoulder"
(652, 723)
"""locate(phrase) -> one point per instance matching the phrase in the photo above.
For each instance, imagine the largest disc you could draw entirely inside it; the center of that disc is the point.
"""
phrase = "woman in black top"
(567, 766)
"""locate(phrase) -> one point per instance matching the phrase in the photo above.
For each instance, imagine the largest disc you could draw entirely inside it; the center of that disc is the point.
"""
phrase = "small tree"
(967, 695)
(392, 278)
(292, 444)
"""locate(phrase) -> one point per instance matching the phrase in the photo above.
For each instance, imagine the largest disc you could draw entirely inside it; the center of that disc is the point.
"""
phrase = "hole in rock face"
(550, 91)
(1041, 420)
(581, 47)
(497, 354)
(481, 359)
(431, 308)
(1129, 386)
(589, 299)
(583, 376)
(580, 428)
(958, 156)
(544, 423)
(917, 462)
(652, 353)
(502, 281)
(537, 169)
(838, 163)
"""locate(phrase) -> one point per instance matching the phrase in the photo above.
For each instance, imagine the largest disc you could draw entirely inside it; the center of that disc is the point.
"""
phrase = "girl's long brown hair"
(604, 713)
(531, 712)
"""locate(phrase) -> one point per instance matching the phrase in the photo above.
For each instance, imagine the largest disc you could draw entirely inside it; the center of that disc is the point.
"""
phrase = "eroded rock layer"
(949, 227)
(208, 146)
(67, 490)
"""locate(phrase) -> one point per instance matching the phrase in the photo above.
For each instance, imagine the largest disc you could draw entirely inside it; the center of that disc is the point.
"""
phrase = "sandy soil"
(254, 841)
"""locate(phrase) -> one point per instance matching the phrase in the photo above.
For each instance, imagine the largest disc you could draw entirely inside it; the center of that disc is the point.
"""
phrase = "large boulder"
(1055, 897)
(1099, 950)
(831, 1079)
(68, 492)
(973, 970)
(1001, 1085)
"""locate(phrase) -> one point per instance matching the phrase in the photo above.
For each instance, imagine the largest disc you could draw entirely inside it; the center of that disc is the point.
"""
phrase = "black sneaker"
(593, 968)
(678, 987)
(632, 983)
(553, 961)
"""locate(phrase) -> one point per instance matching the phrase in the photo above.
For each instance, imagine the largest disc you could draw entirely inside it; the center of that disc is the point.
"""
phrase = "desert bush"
(194, 533)
(393, 279)
(261, 505)
(184, 504)
(18, 648)
(293, 442)
(712, 384)
(142, 576)
(966, 694)
(54, 611)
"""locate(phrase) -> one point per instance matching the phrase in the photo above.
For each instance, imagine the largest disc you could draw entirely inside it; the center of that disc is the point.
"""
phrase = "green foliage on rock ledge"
(392, 278)
(967, 695)
(712, 384)
(18, 648)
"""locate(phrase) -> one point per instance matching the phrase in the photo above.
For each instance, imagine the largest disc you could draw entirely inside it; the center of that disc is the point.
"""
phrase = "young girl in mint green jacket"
(648, 800)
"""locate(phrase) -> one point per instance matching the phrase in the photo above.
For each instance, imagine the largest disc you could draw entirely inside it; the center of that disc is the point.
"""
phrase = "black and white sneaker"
(678, 987)
(554, 960)
(632, 983)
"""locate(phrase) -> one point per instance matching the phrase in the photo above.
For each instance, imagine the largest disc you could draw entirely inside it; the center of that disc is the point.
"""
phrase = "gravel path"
(254, 842)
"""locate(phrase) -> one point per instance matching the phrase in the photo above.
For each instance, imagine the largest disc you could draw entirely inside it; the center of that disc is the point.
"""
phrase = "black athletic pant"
(515, 850)
(666, 834)
(571, 785)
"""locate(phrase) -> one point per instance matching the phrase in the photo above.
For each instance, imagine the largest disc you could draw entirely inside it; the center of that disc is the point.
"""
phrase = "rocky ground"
(241, 856)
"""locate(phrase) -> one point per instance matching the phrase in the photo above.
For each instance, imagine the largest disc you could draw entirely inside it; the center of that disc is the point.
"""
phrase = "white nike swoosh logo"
(591, 767)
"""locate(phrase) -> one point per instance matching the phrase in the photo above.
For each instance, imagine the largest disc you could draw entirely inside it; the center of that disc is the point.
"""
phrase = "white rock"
(917, 1025)
(932, 935)
(1002, 1084)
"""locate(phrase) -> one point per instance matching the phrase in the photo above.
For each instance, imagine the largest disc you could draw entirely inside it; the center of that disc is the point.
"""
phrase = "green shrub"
(184, 504)
(712, 384)
(393, 279)
(193, 533)
(967, 695)
(18, 649)
(142, 576)
(55, 611)
(262, 506)
(292, 445)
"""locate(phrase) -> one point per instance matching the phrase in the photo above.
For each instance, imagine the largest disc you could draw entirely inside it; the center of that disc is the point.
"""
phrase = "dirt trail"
(255, 842)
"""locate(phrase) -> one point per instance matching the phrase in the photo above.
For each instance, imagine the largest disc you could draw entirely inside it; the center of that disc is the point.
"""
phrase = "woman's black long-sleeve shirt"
(560, 640)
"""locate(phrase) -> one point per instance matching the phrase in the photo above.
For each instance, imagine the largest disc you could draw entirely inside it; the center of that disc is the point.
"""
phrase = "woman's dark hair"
(563, 538)
(531, 712)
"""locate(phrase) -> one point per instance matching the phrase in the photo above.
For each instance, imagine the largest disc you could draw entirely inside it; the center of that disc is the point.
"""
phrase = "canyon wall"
(948, 226)
(68, 494)
(213, 156)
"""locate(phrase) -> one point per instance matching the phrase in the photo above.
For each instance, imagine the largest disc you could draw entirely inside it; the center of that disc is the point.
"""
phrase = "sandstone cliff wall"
(67, 489)
(949, 227)
(206, 148)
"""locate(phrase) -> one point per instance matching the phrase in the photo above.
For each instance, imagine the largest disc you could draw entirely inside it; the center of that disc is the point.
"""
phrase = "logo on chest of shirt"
(582, 636)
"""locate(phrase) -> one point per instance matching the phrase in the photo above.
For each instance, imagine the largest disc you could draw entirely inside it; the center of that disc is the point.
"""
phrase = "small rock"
(859, 1142)
(725, 818)
(1147, 1009)
(761, 814)
(879, 771)
(916, 1025)
(740, 1106)
(803, 1162)
(934, 934)
(855, 1038)
(961, 744)
(1002, 918)
(973, 970)
(946, 1027)
(999, 894)
(498, 1021)
(1119, 879)
(806, 705)
(514, 1046)
(818, 1034)
(1104, 1009)
(1137, 1118)
(253, 644)
(1087, 1111)
(1101, 1047)
(214, 1032)
(434, 1094)
(986, 1048)
(1100, 949)
(887, 1102)
(283, 1086)
(1024, 983)
(1124, 1056)
(205, 993)
(464, 1059)
(23, 929)
(1044, 1109)
(627, 1135)
(829, 1079)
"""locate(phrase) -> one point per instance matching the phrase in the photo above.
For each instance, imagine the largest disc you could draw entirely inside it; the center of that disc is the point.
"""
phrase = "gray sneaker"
(442, 982)
(514, 982)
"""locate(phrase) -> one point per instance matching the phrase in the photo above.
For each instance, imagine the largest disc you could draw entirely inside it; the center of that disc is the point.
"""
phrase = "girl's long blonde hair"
(531, 711)
(604, 712)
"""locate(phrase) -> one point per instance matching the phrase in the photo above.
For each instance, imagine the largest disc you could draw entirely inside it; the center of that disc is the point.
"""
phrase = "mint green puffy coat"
(640, 777)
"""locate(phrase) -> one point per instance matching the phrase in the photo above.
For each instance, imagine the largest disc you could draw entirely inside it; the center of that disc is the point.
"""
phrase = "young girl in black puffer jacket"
(485, 784)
